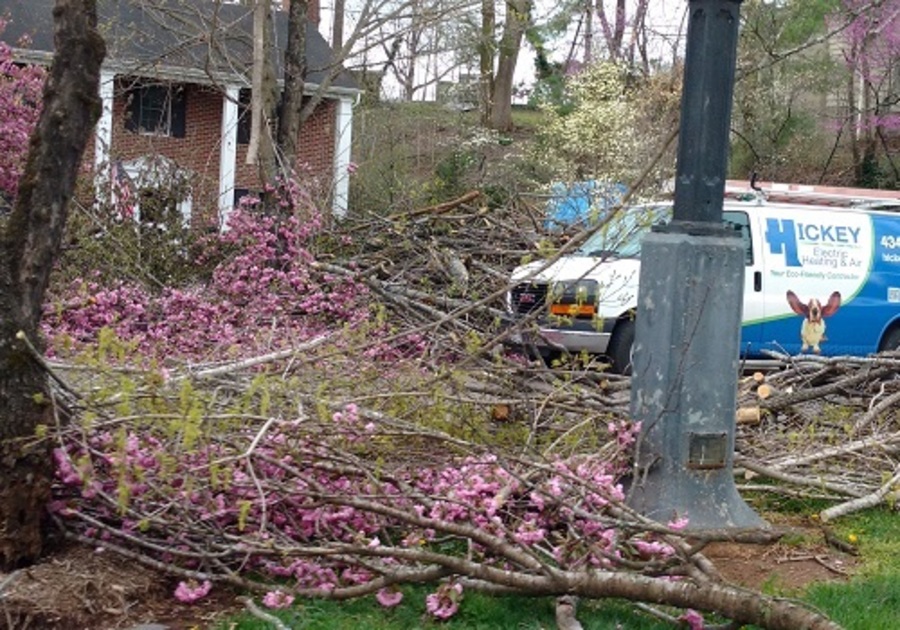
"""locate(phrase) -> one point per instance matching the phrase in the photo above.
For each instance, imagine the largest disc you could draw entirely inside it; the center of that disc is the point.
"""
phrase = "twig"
(440, 208)
(870, 500)
(257, 612)
(565, 613)
(655, 612)
(884, 444)
(45, 365)
(821, 560)
(786, 400)
(237, 366)
(888, 403)
(774, 473)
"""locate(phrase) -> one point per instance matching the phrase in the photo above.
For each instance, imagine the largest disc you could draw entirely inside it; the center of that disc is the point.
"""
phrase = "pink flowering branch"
(21, 101)
(322, 507)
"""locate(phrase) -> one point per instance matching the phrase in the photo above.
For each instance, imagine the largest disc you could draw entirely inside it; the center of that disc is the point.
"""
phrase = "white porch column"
(228, 154)
(343, 135)
(103, 135)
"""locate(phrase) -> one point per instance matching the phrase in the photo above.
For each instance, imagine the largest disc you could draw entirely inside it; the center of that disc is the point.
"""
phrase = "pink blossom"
(443, 603)
(650, 549)
(678, 524)
(20, 106)
(389, 596)
(693, 619)
(190, 592)
(529, 534)
(277, 599)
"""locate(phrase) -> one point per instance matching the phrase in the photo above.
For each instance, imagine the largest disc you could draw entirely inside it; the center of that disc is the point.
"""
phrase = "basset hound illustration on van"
(812, 331)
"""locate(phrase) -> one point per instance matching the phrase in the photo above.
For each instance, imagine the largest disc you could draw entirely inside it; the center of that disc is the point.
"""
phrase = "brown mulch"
(80, 588)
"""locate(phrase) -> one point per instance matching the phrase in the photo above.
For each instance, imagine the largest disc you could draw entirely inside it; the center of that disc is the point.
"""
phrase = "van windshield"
(621, 235)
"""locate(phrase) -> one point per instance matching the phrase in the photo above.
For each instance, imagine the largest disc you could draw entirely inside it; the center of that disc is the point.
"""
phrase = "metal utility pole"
(687, 337)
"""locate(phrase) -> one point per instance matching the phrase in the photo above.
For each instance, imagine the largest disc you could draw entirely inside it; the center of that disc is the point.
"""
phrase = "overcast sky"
(665, 19)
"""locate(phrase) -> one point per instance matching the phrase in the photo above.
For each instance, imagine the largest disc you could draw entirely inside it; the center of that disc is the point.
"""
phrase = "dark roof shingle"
(200, 39)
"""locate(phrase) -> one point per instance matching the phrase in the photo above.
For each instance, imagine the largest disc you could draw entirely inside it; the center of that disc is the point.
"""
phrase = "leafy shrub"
(263, 284)
(20, 104)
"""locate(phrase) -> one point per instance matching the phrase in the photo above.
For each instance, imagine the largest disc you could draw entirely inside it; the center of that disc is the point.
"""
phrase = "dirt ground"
(78, 588)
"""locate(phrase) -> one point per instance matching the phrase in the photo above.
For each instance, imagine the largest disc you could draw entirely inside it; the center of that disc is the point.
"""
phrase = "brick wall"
(198, 152)
(316, 154)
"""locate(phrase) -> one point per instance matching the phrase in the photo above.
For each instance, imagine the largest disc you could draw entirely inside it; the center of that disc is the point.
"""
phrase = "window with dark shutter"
(157, 108)
(178, 111)
(245, 116)
(240, 193)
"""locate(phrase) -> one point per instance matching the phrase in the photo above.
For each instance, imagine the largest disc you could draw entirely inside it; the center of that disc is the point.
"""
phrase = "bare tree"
(294, 79)
(419, 46)
(624, 35)
(518, 17)
(262, 149)
(30, 240)
(486, 60)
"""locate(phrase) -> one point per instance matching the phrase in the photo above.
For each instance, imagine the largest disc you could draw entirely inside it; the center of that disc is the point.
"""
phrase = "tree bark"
(29, 244)
(337, 25)
(294, 79)
(518, 14)
(486, 61)
(262, 140)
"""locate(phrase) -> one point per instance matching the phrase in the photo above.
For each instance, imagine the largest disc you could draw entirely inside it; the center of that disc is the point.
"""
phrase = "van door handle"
(757, 281)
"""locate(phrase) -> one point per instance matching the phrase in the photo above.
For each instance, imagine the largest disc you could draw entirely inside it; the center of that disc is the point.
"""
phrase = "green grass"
(870, 600)
(527, 118)
(477, 612)
(870, 603)
(877, 532)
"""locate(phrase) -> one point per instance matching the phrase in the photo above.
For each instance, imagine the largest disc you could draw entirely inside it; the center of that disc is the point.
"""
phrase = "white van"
(819, 279)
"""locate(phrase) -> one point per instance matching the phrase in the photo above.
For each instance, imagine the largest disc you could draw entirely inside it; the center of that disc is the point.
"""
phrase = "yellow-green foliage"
(598, 134)
(615, 126)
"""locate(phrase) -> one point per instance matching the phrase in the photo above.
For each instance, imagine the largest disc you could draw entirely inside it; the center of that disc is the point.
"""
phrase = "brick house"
(176, 90)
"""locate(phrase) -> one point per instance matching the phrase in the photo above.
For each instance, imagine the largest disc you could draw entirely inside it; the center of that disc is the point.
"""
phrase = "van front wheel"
(620, 346)
(891, 340)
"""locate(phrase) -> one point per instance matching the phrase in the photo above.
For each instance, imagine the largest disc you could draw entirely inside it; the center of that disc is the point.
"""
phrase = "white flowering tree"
(609, 125)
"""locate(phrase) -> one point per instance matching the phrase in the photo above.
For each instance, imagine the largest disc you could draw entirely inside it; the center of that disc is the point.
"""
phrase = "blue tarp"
(581, 203)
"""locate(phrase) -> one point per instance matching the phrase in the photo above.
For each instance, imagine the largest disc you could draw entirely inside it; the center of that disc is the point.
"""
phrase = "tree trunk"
(486, 61)
(262, 141)
(30, 242)
(337, 25)
(588, 32)
(853, 118)
(638, 43)
(517, 18)
(294, 78)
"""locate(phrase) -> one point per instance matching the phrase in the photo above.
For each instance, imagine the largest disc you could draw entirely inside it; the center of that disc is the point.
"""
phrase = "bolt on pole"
(687, 329)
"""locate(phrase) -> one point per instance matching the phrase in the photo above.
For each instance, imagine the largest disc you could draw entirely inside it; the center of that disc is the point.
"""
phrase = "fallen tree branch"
(774, 473)
(566, 607)
(783, 401)
(238, 366)
(259, 613)
(889, 402)
(861, 503)
(440, 208)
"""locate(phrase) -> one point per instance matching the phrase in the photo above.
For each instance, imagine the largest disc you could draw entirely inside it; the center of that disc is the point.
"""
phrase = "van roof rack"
(835, 196)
